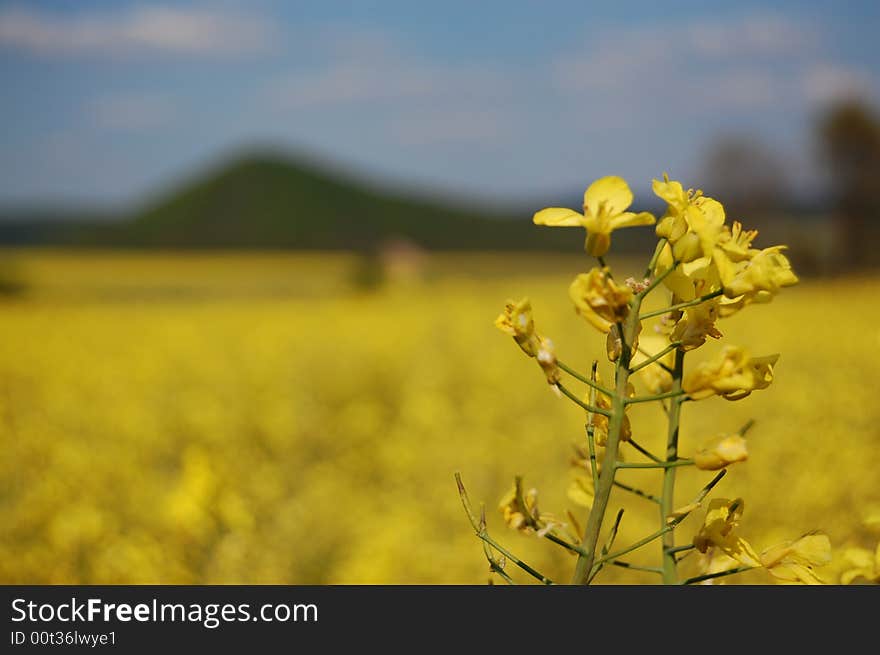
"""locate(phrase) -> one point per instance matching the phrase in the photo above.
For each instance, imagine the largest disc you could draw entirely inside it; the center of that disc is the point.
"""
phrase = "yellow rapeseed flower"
(720, 451)
(722, 518)
(516, 320)
(605, 203)
(546, 357)
(697, 324)
(599, 299)
(693, 223)
(792, 562)
(733, 374)
(520, 512)
(765, 273)
(673, 225)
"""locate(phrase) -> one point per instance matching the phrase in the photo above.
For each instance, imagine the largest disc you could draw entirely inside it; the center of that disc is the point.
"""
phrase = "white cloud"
(744, 64)
(188, 31)
(412, 100)
(751, 36)
(382, 80)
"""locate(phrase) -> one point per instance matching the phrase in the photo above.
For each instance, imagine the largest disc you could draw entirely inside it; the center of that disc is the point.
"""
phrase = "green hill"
(269, 201)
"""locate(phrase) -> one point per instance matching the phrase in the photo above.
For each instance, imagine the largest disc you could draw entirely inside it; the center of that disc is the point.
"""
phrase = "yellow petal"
(558, 217)
(597, 243)
(610, 193)
(815, 548)
(631, 219)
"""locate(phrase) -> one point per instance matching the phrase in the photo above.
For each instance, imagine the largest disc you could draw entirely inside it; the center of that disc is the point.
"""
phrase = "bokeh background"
(251, 254)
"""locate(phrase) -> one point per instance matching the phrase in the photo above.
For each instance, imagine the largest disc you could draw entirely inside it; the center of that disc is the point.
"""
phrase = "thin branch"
(613, 535)
(659, 396)
(644, 451)
(591, 431)
(657, 280)
(637, 492)
(480, 530)
(666, 528)
(655, 465)
(657, 251)
(672, 346)
(577, 550)
(634, 567)
(660, 364)
(641, 542)
(608, 543)
(682, 305)
(720, 574)
(590, 383)
(578, 401)
(745, 428)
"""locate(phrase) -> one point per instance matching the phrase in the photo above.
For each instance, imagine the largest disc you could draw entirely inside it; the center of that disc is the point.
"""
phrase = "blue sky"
(108, 102)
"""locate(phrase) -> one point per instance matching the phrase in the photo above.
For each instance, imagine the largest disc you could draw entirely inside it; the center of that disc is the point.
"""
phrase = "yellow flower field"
(271, 418)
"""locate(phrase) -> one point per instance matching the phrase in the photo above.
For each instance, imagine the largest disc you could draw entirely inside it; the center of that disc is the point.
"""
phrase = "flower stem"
(591, 431)
(670, 574)
(577, 376)
(479, 526)
(651, 360)
(627, 565)
(720, 574)
(578, 401)
(657, 251)
(584, 566)
(644, 451)
(660, 465)
(676, 392)
(637, 492)
(657, 280)
(683, 305)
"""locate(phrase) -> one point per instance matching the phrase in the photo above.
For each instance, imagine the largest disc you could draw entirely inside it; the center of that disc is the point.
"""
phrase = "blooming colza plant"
(708, 270)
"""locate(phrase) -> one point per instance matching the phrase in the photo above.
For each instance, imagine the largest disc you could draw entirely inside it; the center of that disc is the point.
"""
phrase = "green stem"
(651, 360)
(577, 376)
(657, 251)
(591, 430)
(634, 567)
(637, 492)
(670, 574)
(720, 574)
(497, 569)
(644, 451)
(578, 401)
(657, 280)
(479, 526)
(675, 393)
(562, 542)
(655, 465)
(584, 566)
(683, 305)
(641, 542)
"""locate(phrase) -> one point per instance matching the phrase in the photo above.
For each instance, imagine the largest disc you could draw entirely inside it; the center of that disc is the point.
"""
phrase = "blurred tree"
(746, 176)
(849, 138)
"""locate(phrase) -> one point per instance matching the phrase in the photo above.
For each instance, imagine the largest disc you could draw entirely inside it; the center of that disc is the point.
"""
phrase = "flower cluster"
(710, 270)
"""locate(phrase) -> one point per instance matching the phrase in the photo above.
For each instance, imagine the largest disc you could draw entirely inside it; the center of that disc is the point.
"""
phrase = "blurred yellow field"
(273, 418)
